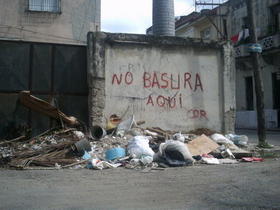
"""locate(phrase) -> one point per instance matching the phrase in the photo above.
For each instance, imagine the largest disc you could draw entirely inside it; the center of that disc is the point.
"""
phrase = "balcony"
(268, 43)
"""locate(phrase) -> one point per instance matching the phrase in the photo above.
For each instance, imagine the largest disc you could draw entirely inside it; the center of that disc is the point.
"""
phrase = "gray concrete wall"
(77, 17)
(172, 83)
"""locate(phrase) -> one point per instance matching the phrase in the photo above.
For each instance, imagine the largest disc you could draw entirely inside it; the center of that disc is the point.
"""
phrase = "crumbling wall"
(169, 82)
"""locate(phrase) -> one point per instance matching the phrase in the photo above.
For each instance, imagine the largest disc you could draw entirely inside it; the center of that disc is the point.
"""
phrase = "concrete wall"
(77, 17)
(248, 119)
(172, 83)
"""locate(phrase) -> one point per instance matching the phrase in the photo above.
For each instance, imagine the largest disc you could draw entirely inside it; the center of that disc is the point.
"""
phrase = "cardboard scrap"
(202, 145)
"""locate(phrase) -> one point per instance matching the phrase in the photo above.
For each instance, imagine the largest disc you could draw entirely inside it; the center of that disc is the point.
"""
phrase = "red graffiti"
(197, 114)
(166, 102)
(162, 80)
(118, 79)
(172, 81)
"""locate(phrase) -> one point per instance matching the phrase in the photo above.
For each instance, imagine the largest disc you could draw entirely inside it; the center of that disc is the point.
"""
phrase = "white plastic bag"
(138, 146)
(174, 153)
(179, 137)
(221, 139)
(210, 161)
(100, 165)
(239, 140)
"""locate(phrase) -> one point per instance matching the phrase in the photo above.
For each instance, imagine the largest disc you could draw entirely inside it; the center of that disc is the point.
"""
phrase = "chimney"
(163, 18)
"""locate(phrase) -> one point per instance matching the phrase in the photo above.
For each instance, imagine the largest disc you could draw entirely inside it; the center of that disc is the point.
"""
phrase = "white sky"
(134, 16)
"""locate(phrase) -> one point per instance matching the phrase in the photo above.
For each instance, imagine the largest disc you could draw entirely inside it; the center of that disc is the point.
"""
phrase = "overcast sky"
(134, 16)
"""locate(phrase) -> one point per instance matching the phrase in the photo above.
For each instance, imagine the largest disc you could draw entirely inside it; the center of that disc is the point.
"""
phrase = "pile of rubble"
(123, 143)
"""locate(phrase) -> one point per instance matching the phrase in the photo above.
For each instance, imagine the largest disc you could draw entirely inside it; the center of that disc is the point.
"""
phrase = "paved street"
(242, 186)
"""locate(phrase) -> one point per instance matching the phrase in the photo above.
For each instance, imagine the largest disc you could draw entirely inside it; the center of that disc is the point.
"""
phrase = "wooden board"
(202, 145)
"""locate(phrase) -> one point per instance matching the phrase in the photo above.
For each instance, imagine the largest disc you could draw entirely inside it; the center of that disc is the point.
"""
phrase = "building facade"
(207, 24)
(43, 49)
(52, 21)
(267, 21)
(234, 25)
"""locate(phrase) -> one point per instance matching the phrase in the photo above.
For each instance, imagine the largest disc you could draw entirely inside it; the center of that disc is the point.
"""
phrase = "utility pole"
(255, 55)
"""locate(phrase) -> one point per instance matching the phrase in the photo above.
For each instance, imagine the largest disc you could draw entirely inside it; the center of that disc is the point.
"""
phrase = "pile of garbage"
(123, 143)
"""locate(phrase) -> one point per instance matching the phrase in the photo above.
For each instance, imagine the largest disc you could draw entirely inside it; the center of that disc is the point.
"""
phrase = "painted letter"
(150, 100)
(170, 100)
(128, 78)
(180, 100)
(178, 82)
(115, 78)
(160, 101)
(198, 83)
(164, 79)
(147, 80)
(130, 67)
(155, 80)
(187, 80)
(203, 114)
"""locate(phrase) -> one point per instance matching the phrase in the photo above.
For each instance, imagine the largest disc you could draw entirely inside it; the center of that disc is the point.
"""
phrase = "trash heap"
(123, 143)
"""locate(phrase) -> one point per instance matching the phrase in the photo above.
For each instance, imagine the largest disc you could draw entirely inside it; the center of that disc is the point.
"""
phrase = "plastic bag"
(138, 146)
(239, 140)
(124, 126)
(210, 161)
(174, 153)
(98, 164)
(179, 137)
(221, 139)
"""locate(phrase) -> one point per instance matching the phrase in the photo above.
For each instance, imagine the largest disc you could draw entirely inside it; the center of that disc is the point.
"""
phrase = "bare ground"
(242, 186)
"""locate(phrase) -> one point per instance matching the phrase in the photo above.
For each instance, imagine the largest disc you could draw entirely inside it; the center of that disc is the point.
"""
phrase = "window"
(274, 19)
(44, 5)
(205, 34)
(245, 22)
(225, 28)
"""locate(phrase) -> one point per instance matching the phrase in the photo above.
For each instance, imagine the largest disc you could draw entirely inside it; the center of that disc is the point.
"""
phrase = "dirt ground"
(245, 186)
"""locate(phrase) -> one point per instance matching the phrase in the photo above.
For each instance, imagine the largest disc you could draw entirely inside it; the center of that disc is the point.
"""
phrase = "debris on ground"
(202, 145)
(209, 159)
(44, 107)
(201, 131)
(122, 143)
(238, 140)
(174, 153)
(252, 159)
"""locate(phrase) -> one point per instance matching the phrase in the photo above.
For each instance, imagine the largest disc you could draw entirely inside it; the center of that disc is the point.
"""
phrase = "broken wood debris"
(59, 149)
(12, 140)
(44, 107)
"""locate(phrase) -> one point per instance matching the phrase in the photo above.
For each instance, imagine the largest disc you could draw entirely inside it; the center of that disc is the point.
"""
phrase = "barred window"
(44, 5)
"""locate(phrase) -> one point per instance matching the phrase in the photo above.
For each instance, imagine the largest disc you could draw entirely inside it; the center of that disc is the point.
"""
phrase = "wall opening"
(249, 93)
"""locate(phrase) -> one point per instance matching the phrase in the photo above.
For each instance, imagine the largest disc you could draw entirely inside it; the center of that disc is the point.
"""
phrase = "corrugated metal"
(50, 72)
